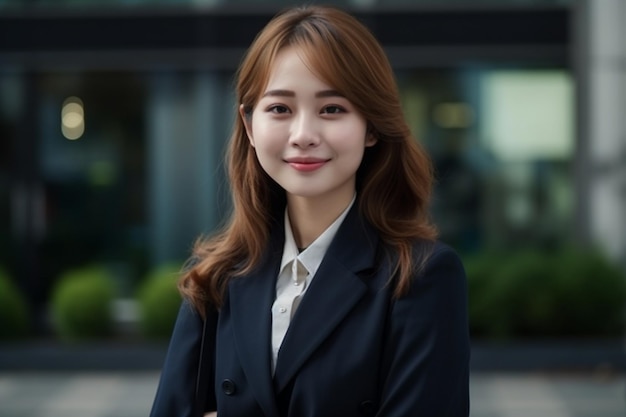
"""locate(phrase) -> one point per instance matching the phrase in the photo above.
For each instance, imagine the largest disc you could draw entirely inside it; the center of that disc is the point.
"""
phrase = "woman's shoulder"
(438, 249)
(436, 260)
(437, 291)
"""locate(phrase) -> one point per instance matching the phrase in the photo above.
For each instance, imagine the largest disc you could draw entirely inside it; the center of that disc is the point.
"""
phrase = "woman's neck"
(310, 217)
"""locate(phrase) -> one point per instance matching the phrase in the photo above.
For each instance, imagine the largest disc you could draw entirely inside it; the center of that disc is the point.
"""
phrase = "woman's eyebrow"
(279, 93)
(289, 93)
(328, 93)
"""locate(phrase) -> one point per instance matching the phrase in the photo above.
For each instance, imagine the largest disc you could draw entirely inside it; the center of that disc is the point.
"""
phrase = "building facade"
(114, 117)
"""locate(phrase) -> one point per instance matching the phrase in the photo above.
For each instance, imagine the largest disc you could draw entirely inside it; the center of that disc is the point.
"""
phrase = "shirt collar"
(312, 256)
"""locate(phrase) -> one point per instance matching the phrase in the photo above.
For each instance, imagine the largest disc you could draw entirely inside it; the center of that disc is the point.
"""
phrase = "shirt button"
(296, 283)
(282, 309)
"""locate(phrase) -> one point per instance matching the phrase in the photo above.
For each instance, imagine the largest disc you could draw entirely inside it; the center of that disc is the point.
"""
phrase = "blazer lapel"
(334, 291)
(251, 299)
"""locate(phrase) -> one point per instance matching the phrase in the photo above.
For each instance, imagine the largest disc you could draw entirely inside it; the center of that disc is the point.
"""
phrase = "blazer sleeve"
(177, 390)
(426, 359)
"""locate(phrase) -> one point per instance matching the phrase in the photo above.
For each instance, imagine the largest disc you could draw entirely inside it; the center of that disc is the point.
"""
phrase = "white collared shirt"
(290, 287)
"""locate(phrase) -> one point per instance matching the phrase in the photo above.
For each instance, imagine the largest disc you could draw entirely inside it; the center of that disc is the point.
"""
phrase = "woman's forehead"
(295, 59)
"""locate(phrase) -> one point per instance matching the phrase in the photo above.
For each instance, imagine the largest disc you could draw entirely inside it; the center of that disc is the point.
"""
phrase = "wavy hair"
(394, 180)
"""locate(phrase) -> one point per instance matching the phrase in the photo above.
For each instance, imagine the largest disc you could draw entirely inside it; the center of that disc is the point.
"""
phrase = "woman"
(327, 293)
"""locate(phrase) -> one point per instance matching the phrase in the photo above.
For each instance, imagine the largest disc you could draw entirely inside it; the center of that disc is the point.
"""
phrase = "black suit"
(351, 349)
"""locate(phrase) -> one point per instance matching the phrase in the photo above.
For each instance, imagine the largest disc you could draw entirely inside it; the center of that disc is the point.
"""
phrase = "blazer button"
(228, 387)
(367, 407)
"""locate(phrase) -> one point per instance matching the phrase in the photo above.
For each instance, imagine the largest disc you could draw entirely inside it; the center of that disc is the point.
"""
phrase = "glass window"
(122, 169)
(503, 145)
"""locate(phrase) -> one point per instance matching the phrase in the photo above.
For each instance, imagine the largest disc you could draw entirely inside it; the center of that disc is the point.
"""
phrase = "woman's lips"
(306, 164)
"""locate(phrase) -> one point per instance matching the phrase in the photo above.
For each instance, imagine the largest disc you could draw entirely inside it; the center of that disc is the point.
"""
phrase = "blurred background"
(113, 121)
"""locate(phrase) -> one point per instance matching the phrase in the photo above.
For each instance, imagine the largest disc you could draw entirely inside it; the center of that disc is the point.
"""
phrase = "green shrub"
(528, 298)
(82, 304)
(159, 301)
(509, 293)
(591, 293)
(14, 317)
(529, 294)
(480, 269)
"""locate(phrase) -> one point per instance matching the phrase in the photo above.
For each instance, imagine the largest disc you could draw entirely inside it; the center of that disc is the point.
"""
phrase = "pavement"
(130, 393)
(543, 379)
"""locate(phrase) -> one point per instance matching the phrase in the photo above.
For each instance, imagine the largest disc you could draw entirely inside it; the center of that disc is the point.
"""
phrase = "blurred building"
(114, 116)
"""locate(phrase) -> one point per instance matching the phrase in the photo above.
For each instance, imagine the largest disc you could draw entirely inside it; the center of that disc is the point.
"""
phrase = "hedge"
(159, 301)
(545, 294)
(82, 303)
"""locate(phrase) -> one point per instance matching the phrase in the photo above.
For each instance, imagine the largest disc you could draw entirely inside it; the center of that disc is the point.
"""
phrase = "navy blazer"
(350, 350)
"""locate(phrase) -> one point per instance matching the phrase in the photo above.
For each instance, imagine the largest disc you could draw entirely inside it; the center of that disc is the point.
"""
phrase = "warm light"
(73, 118)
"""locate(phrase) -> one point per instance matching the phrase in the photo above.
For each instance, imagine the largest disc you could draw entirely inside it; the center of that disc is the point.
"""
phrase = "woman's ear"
(370, 139)
(370, 135)
(246, 118)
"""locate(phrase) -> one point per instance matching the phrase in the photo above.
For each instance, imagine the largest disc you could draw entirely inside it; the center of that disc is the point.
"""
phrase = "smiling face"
(306, 135)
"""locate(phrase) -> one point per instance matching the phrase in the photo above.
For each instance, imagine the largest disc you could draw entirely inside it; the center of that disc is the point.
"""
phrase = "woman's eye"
(332, 110)
(278, 109)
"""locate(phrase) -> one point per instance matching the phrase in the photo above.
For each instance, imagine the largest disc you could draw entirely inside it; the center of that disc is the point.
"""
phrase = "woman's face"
(307, 137)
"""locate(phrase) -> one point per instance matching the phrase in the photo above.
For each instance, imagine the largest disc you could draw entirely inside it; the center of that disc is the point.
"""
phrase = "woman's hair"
(393, 182)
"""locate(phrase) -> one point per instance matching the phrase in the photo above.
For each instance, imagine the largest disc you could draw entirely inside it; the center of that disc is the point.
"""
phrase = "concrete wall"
(601, 65)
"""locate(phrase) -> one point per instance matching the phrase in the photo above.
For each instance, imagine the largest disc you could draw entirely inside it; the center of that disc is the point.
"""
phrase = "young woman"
(327, 293)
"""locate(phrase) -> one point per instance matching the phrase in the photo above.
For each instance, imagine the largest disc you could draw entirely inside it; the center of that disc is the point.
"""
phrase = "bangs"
(318, 45)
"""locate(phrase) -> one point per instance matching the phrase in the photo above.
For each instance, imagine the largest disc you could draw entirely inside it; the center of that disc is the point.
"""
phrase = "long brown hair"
(393, 182)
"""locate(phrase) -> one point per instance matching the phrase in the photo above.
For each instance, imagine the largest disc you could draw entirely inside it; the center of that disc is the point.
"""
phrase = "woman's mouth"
(306, 164)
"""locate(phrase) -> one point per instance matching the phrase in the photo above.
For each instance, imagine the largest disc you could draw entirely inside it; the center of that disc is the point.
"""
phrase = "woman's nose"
(304, 132)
